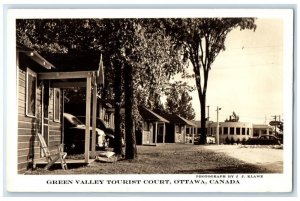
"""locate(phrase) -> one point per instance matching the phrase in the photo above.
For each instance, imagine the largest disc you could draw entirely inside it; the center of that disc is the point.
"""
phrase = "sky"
(247, 77)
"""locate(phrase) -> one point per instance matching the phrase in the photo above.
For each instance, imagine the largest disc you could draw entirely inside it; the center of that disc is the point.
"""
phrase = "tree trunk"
(203, 120)
(117, 91)
(130, 150)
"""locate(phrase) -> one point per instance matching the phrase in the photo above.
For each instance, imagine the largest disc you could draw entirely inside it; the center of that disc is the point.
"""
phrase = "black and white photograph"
(151, 101)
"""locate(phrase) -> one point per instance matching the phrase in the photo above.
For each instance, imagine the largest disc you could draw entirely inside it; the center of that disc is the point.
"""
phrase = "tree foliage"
(159, 62)
(137, 56)
(179, 101)
(233, 118)
(201, 40)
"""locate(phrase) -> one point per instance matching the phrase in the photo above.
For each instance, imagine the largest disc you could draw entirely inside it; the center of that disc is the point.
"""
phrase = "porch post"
(164, 133)
(87, 120)
(94, 120)
(184, 134)
(193, 135)
(156, 132)
(174, 132)
(143, 132)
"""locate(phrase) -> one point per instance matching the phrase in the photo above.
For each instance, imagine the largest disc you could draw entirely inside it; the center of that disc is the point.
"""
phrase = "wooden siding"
(28, 127)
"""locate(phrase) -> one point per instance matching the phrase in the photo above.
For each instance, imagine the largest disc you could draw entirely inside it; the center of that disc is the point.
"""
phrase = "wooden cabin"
(39, 108)
(154, 127)
(40, 99)
(176, 128)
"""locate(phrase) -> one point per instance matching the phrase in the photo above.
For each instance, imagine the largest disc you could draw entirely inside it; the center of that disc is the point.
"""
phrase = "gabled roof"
(190, 123)
(175, 119)
(149, 115)
(31, 53)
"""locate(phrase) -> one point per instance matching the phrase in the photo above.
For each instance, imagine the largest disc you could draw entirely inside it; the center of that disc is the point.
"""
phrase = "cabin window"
(178, 129)
(56, 107)
(31, 89)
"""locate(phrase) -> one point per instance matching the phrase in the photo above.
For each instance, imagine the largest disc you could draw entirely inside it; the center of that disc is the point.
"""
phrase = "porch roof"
(75, 60)
(35, 56)
(149, 115)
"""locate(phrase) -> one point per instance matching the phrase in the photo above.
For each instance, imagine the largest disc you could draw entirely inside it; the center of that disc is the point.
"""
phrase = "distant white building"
(232, 131)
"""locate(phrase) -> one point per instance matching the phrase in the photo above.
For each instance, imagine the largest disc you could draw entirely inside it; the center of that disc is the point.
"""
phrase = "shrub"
(227, 141)
(232, 141)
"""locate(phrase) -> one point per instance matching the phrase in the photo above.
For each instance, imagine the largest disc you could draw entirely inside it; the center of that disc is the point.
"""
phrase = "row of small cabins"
(171, 128)
(41, 106)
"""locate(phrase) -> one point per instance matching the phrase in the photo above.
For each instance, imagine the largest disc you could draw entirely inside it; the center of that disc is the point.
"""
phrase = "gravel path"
(263, 156)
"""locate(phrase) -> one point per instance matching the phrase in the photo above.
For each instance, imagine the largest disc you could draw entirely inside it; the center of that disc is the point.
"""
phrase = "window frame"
(33, 74)
(54, 104)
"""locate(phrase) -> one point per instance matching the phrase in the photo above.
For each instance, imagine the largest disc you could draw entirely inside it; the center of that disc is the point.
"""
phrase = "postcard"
(149, 100)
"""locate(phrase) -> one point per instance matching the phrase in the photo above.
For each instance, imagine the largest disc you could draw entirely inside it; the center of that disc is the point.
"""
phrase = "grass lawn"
(165, 159)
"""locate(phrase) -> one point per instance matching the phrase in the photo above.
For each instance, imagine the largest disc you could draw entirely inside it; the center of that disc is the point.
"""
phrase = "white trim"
(32, 73)
(59, 102)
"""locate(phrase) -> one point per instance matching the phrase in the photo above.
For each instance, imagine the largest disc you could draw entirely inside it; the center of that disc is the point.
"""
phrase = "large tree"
(148, 65)
(202, 39)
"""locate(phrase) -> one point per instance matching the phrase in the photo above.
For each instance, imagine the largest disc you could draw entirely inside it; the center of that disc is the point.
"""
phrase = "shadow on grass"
(58, 166)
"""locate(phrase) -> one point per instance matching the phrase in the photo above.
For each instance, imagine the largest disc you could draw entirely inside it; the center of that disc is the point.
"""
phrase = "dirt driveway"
(269, 158)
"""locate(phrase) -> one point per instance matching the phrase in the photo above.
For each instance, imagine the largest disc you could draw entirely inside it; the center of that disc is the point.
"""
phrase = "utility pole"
(218, 126)
(265, 119)
(275, 118)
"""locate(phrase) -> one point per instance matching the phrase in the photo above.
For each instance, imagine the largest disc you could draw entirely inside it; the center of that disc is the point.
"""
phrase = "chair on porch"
(51, 159)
